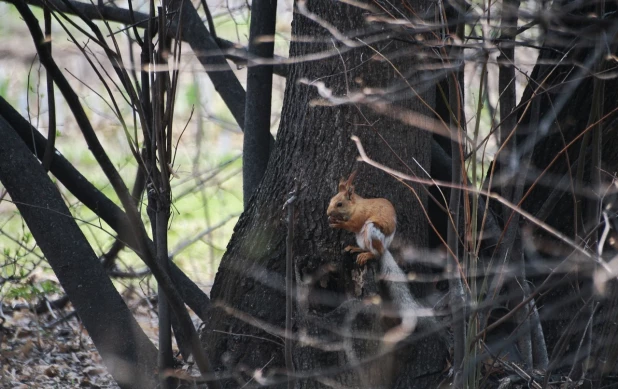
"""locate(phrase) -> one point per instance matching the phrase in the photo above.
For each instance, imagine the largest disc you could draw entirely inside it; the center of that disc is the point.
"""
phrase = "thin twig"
(51, 101)
(289, 281)
(552, 231)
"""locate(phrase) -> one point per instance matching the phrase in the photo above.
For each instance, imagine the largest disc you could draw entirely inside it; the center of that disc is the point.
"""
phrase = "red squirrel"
(374, 221)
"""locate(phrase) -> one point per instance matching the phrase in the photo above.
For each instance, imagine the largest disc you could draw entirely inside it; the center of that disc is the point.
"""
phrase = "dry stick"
(289, 283)
(210, 56)
(168, 120)
(138, 39)
(171, 93)
(562, 343)
(506, 78)
(457, 295)
(159, 199)
(186, 243)
(564, 96)
(320, 344)
(101, 205)
(508, 125)
(521, 373)
(532, 342)
(134, 20)
(228, 49)
(112, 55)
(539, 223)
(363, 157)
(593, 206)
(140, 106)
(115, 179)
(211, 23)
(108, 258)
(538, 220)
(114, 105)
(586, 338)
(44, 306)
(591, 126)
(437, 152)
(119, 68)
(51, 101)
(540, 358)
(511, 243)
(511, 134)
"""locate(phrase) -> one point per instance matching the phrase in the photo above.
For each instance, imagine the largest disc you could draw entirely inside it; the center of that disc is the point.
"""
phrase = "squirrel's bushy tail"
(408, 308)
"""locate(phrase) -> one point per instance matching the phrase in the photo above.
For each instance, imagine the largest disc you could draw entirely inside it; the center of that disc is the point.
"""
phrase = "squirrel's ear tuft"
(351, 178)
(350, 191)
(342, 185)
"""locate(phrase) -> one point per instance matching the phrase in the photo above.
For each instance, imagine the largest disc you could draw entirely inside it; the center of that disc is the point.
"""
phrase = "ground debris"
(60, 357)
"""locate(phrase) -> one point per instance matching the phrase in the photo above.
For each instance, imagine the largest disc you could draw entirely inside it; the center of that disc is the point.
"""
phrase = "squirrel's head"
(342, 205)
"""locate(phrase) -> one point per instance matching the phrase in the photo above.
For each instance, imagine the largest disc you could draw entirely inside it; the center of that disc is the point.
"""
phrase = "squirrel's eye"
(339, 204)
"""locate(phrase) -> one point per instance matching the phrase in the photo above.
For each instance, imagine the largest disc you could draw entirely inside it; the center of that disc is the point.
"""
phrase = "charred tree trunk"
(336, 334)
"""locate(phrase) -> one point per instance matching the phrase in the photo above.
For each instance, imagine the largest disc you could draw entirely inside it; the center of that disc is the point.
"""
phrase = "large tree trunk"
(554, 112)
(314, 147)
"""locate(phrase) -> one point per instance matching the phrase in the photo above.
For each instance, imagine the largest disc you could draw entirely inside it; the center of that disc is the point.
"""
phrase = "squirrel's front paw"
(363, 258)
(352, 249)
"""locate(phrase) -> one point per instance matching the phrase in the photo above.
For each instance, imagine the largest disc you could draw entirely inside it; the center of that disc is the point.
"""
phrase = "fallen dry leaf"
(51, 371)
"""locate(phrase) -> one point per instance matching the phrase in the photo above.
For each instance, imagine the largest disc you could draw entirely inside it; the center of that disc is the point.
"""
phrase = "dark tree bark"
(313, 146)
(131, 359)
(554, 112)
(256, 142)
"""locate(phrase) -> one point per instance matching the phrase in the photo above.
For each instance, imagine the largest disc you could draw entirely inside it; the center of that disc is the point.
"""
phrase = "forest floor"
(54, 350)
(43, 351)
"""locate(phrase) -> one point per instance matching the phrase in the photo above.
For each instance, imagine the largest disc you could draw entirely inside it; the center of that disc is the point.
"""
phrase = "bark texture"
(313, 146)
(554, 112)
